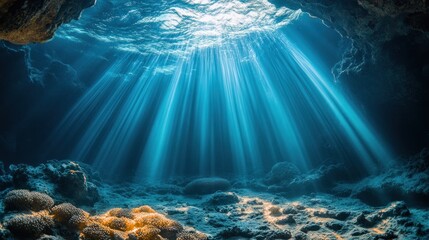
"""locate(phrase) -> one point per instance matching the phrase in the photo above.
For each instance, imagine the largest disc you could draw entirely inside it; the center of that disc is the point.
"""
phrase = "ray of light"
(233, 108)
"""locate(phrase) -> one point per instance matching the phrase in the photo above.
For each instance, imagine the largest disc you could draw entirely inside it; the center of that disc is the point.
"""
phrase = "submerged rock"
(405, 182)
(72, 182)
(25, 22)
(202, 186)
(282, 172)
(286, 220)
(334, 225)
(64, 180)
(223, 198)
(310, 227)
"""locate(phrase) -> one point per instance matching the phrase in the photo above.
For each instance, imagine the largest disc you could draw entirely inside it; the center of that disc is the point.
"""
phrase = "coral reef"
(65, 180)
(25, 22)
(138, 223)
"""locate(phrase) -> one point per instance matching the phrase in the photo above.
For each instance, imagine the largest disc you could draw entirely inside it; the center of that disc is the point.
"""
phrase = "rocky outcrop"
(367, 21)
(25, 22)
(66, 180)
(407, 182)
(369, 25)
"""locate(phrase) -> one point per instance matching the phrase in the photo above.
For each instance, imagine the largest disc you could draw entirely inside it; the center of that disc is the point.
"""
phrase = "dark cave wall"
(387, 65)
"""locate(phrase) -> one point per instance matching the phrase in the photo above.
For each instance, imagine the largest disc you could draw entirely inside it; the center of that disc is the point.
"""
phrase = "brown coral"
(169, 228)
(96, 232)
(143, 209)
(24, 200)
(66, 213)
(142, 223)
(191, 236)
(120, 224)
(119, 212)
(147, 232)
(30, 225)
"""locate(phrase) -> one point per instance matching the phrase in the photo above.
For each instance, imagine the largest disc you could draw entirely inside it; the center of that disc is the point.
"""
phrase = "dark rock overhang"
(367, 22)
(24, 21)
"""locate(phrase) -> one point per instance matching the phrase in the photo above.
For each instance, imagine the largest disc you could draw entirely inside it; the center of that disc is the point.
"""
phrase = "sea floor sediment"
(204, 208)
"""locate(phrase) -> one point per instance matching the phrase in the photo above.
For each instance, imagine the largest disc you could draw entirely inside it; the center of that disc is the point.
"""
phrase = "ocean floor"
(204, 208)
(247, 214)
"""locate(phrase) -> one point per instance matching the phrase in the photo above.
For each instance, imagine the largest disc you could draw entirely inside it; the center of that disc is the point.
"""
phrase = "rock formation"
(366, 21)
(24, 22)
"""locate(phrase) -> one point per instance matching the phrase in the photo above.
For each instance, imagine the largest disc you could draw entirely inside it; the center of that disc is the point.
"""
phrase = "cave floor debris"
(256, 215)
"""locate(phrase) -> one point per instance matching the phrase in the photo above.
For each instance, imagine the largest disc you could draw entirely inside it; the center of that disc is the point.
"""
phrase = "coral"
(191, 236)
(30, 225)
(146, 233)
(143, 209)
(121, 212)
(41, 201)
(121, 224)
(203, 186)
(17, 200)
(66, 213)
(21, 200)
(168, 227)
(96, 232)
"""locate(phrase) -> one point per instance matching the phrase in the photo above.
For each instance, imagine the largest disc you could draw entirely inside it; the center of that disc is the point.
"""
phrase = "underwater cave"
(214, 119)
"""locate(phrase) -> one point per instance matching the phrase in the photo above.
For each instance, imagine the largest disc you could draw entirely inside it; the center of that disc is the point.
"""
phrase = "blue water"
(206, 88)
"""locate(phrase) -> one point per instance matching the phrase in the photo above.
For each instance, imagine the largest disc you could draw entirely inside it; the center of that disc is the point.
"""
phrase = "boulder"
(282, 172)
(202, 186)
(223, 198)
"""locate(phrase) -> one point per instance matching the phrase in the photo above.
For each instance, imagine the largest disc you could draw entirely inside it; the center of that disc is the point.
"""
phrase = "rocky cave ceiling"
(367, 22)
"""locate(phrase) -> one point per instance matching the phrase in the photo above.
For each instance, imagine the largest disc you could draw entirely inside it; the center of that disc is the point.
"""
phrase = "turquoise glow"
(235, 108)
